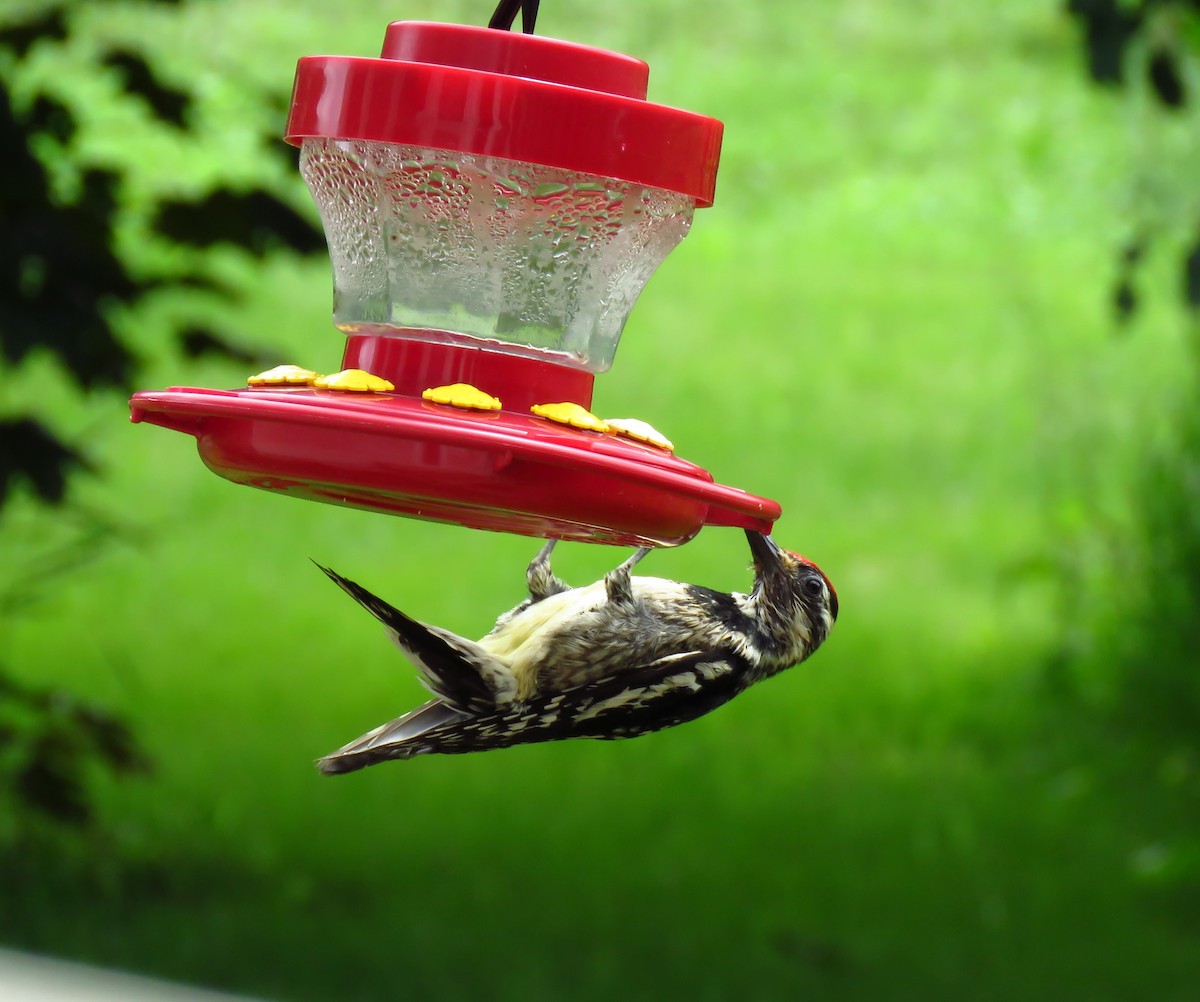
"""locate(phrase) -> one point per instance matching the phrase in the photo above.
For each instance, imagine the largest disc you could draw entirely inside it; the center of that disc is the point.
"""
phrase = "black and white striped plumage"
(618, 658)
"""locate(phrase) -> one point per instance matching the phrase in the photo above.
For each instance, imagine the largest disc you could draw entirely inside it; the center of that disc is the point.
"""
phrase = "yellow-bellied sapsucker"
(618, 658)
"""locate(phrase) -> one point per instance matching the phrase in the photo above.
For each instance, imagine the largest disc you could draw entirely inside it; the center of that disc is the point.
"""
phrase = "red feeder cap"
(511, 95)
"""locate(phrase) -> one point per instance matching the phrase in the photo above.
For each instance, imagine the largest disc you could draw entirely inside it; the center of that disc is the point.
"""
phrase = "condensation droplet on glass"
(441, 246)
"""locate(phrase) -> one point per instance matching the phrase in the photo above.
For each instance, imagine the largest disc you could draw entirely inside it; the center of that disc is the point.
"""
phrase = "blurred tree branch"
(63, 280)
(1150, 51)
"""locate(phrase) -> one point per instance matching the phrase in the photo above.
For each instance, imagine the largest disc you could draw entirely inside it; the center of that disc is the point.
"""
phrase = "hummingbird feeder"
(493, 202)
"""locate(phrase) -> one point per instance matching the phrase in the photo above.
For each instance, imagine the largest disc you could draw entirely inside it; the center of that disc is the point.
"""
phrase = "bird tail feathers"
(461, 672)
(399, 738)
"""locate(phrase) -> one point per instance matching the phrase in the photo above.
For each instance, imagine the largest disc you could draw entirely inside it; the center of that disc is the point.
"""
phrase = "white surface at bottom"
(26, 977)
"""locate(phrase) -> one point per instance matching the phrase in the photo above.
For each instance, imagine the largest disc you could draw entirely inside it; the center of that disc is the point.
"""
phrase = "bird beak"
(768, 557)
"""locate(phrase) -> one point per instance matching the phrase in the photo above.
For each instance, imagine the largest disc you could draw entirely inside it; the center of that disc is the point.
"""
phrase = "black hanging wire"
(506, 14)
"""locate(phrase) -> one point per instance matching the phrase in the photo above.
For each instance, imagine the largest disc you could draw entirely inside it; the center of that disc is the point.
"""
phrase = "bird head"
(796, 603)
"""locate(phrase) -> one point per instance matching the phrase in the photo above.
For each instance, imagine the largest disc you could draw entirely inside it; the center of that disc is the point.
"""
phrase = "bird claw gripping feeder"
(494, 203)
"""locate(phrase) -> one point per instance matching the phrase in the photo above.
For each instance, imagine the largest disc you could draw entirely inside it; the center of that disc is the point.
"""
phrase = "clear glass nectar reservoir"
(440, 245)
(487, 189)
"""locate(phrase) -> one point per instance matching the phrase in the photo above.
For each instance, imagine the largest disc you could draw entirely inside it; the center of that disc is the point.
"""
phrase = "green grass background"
(894, 321)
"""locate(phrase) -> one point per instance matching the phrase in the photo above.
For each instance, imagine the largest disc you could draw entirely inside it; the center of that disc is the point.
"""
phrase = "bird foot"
(541, 580)
(617, 585)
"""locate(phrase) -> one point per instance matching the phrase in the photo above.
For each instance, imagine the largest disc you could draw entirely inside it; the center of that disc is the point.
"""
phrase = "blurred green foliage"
(62, 282)
(897, 321)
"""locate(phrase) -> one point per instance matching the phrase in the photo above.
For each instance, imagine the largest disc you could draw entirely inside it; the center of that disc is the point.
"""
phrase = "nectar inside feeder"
(494, 203)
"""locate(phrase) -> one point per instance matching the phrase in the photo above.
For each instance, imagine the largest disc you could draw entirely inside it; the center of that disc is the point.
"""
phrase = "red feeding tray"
(392, 453)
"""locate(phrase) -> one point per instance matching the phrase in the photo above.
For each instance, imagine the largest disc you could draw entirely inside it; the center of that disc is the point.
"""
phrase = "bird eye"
(813, 587)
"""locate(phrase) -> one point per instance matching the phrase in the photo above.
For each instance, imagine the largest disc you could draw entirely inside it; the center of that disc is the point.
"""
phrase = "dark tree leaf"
(30, 452)
(1132, 253)
(56, 740)
(168, 103)
(256, 220)
(1124, 300)
(58, 270)
(111, 739)
(1109, 26)
(198, 342)
(1191, 276)
(1165, 79)
(19, 37)
(207, 283)
(51, 118)
(51, 783)
(1124, 294)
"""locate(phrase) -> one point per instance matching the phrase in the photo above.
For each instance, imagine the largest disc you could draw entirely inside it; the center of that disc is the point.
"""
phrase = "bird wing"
(667, 691)
(462, 673)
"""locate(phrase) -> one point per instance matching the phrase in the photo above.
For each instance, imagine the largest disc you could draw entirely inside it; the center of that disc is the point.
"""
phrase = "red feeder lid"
(506, 94)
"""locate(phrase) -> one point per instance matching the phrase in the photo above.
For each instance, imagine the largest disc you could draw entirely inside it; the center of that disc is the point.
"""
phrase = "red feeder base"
(501, 470)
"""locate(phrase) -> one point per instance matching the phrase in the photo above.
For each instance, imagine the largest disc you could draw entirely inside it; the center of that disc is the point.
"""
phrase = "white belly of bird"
(524, 641)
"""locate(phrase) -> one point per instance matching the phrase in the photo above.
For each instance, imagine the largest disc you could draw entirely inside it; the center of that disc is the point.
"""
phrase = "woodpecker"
(615, 659)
